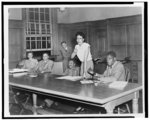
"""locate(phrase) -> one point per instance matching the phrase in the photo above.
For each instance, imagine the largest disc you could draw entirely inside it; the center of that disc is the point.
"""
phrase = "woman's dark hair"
(28, 53)
(81, 34)
(71, 60)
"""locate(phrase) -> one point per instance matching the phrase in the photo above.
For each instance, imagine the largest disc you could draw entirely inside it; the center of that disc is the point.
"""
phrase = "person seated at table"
(21, 63)
(115, 70)
(72, 70)
(45, 65)
(30, 63)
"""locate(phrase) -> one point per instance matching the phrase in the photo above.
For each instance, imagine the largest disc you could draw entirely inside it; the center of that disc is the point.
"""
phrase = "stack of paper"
(71, 78)
(17, 70)
(20, 74)
(120, 85)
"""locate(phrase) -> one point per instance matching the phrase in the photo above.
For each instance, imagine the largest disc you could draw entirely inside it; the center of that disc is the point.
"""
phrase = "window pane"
(36, 10)
(47, 10)
(39, 38)
(28, 38)
(32, 28)
(38, 44)
(48, 44)
(41, 9)
(27, 44)
(48, 29)
(43, 44)
(41, 17)
(31, 16)
(37, 29)
(32, 38)
(37, 17)
(43, 28)
(32, 44)
(47, 17)
(31, 9)
(29, 29)
(43, 38)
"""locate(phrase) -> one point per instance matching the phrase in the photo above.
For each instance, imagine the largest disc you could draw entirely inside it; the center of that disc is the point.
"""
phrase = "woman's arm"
(77, 71)
(85, 60)
(49, 66)
(74, 53)
(35, 65)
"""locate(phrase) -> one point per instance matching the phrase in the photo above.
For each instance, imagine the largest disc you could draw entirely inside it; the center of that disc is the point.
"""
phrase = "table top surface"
(47, 83)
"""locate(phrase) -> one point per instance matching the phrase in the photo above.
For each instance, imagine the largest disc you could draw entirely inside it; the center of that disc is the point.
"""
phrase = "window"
(38, 29)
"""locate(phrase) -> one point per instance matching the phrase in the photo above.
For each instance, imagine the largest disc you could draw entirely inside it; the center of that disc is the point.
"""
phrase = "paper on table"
(86, 81)
(16, 70)
(120, 85)
(71, 78)
(19, 74)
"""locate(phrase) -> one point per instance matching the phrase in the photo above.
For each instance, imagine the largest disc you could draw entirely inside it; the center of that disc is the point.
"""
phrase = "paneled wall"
(16, 42)
(125, 36)
(122, 35)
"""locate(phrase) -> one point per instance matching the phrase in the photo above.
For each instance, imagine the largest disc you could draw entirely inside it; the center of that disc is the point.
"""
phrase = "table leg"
(34, 102)
(135, 103)
(109, 108)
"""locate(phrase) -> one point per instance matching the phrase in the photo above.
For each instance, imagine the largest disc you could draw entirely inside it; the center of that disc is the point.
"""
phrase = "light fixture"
(62, 9)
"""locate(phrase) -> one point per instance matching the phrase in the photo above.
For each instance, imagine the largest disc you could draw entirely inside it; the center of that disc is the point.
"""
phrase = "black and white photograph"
(74, 60)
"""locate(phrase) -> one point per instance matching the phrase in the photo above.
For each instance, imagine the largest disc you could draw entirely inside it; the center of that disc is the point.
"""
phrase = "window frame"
(37, 32)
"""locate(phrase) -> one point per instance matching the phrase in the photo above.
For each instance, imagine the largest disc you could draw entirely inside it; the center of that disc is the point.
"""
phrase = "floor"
(65, 107)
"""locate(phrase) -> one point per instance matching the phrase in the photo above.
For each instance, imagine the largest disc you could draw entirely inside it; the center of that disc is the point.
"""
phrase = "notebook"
(120, 85)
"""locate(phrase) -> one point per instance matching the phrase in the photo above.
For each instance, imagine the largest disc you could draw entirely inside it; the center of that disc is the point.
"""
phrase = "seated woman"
(72, 70)
(30, 63)
(21, 63)
(45, 65)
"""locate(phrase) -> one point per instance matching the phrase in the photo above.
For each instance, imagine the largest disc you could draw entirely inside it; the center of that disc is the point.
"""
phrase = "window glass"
(38, 26)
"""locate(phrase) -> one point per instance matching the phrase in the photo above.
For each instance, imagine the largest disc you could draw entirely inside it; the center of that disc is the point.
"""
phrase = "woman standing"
(82, 50)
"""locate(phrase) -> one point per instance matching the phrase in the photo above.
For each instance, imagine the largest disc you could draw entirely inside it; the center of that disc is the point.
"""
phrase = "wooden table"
(100, 95)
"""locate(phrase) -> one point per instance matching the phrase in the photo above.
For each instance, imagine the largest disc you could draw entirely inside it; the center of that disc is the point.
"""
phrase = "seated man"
(114, 71)
(45, 65)
(72, 70)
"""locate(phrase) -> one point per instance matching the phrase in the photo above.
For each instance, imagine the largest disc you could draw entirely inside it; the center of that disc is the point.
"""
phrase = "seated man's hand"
(105, 80)
(98, 75)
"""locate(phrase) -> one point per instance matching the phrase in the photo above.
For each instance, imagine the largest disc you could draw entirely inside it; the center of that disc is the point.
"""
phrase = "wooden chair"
(57, 68)
(18, 102)
(127, 78)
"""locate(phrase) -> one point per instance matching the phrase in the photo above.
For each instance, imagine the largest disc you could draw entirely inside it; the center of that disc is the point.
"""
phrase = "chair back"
(127, 74)
(57, 68)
